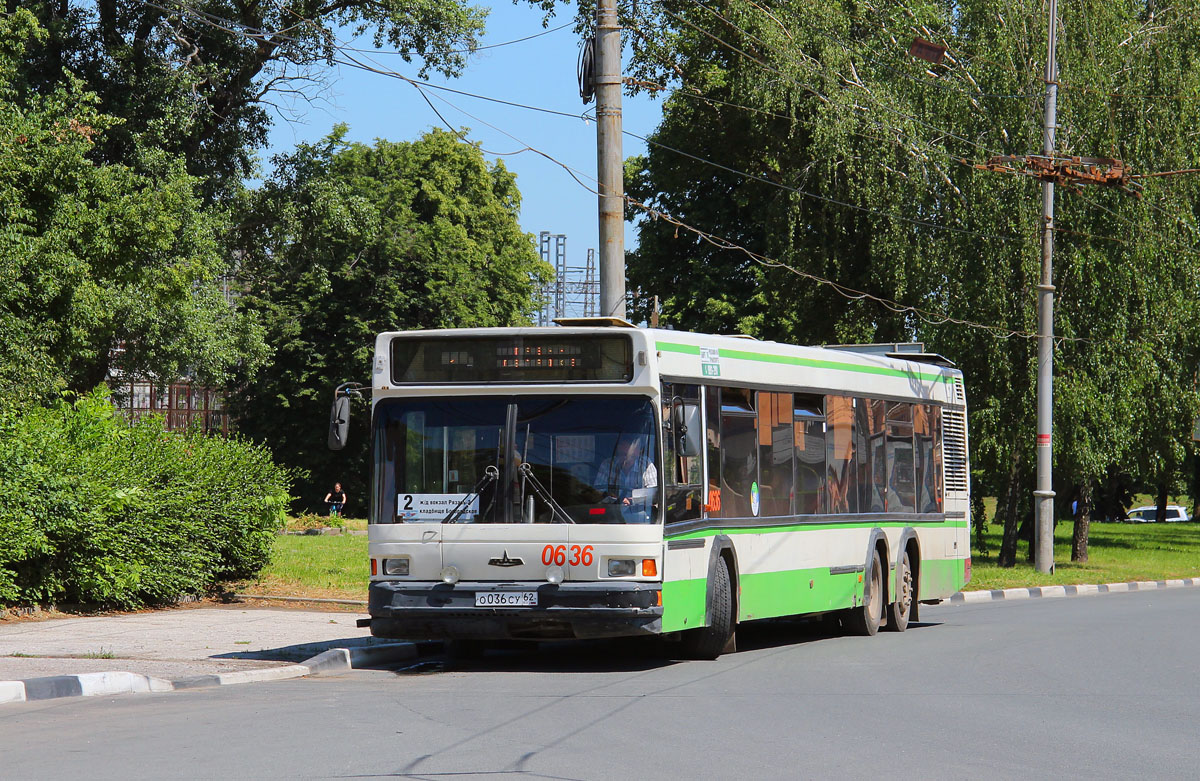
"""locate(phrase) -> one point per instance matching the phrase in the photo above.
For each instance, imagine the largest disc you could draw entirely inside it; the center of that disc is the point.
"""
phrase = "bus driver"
(629, 478)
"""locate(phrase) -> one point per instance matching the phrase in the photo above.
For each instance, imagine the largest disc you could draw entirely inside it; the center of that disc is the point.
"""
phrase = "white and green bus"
(595, 479)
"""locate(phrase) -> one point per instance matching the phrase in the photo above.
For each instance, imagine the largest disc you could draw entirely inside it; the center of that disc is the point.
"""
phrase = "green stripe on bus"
(800, 527)
(684, 602)
(790, 360)
(671, 347)
(791, 592)
(942, 577)
(796, 592)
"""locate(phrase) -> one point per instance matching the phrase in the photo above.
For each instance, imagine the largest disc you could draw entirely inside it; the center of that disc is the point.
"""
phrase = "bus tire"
(865, 619)
(900, 611)
(708, 642)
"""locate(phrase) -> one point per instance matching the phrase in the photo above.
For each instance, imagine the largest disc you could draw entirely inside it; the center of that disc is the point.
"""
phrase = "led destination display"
(512, 359)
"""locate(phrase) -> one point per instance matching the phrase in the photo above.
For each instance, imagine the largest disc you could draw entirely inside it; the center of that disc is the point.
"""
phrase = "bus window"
(739, 454)
(775, 453)
(712, 436)
(901, 493)
(809, 419)
(871, 455)
(683, 478)
(926, 491)
(935, 461)
(528, 459)
(841, 482)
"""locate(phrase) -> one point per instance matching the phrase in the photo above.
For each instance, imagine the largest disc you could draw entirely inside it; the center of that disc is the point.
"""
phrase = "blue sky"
(539, 72)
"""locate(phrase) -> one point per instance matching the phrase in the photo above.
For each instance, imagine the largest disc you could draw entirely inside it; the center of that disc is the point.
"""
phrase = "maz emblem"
(505, 561)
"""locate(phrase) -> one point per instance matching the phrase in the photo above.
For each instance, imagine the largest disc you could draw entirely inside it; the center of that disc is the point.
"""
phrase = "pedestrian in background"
(336, 499)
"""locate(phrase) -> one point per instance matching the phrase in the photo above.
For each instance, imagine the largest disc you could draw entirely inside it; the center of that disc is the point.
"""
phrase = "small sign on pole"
(925, 50)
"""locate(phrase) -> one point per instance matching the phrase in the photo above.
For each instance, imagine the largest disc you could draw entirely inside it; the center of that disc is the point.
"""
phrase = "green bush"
(98, 511)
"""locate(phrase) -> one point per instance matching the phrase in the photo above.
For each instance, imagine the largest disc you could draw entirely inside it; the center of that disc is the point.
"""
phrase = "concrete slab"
(180, 649)
(174, 643)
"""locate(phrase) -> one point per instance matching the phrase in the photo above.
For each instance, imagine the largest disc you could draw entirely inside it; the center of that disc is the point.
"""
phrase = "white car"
(1149, 514)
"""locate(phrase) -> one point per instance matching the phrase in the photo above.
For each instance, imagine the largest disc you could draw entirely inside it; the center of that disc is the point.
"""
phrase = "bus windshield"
(522, 459)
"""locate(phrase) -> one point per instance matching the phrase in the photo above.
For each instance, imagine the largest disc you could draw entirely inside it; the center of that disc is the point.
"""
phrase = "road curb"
(330, 662)
(1048, 592)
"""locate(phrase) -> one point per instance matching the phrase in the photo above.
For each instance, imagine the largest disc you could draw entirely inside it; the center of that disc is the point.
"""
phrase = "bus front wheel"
(710, 641)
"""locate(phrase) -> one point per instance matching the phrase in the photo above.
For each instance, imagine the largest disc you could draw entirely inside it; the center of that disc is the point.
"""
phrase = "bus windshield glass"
(522, 459)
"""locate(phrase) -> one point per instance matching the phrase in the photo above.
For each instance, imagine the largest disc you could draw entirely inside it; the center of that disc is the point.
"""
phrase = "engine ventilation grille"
(954, 447)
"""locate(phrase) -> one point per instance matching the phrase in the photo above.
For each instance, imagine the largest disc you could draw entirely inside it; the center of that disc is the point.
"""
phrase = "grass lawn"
(1117, 552)
(336, 566)
(326, 567)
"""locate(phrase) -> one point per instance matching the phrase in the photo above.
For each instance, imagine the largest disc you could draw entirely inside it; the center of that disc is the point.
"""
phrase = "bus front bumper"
(431, 611)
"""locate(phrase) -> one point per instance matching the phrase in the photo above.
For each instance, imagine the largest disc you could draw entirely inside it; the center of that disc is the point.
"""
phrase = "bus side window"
(712, 438)
(681, 486)
(842, 480)
(739, 454)
(901, 461)
(871, 455)
(775, 453)
(926, 489)
(808, 415)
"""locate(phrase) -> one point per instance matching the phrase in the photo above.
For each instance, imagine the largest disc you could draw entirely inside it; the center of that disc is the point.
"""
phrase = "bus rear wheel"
(900, 611)
(865, 620)
(710, 641)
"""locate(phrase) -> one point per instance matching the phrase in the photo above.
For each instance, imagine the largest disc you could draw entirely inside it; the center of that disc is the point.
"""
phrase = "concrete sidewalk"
(235, 643)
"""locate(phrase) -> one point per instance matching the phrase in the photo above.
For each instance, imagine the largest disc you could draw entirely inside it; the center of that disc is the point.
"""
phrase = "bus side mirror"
(687, 429)
(339, 422)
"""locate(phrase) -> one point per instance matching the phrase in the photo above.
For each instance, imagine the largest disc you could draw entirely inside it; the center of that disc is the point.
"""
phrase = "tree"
(197, 79)
(346, 241)
(102, 266)
(840, 156)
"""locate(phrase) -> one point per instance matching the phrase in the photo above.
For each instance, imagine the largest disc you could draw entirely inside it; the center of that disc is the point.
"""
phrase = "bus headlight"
(395, 566)
(620, 567)
(555, 575)
(450, 575)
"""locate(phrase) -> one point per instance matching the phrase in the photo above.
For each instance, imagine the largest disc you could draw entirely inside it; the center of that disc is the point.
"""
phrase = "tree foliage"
(104, 512)
(839, 156)
(102, 265)
(197, 79)
(348, 240)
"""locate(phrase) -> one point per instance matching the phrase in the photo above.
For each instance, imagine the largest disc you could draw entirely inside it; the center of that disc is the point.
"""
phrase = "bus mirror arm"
(339, 415)
(556, 509)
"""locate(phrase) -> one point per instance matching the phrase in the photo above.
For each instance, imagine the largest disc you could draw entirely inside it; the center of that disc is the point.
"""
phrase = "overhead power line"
(236, 28)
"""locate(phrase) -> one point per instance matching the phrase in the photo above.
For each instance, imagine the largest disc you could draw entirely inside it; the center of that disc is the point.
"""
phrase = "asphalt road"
(1091, 687)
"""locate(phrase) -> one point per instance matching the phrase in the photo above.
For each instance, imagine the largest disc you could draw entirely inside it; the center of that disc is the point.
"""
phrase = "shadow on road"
(302, 651)
(617, 655)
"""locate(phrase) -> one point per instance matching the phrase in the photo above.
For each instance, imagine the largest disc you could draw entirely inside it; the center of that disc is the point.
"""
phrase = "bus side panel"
(799, 571)
(685, 584)
(946, 574)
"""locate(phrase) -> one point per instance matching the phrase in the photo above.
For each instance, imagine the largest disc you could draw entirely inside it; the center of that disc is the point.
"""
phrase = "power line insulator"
(585, 69)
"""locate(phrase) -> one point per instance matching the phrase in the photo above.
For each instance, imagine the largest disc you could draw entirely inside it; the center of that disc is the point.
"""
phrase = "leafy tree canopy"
(345, 241)
(197, 78)
(102, 266)
(841, 156)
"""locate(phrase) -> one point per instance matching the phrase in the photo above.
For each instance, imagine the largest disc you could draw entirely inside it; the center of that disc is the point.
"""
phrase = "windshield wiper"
(555, 508)
(490, 473)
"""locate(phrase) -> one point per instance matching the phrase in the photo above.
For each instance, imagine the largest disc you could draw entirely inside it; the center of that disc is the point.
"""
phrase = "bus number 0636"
(557, 554)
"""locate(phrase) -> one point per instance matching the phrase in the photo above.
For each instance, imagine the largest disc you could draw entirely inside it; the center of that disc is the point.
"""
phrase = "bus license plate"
(506, 599)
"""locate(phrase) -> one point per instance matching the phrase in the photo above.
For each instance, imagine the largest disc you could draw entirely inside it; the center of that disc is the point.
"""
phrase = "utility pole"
(1043, 497)
(609, 168)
